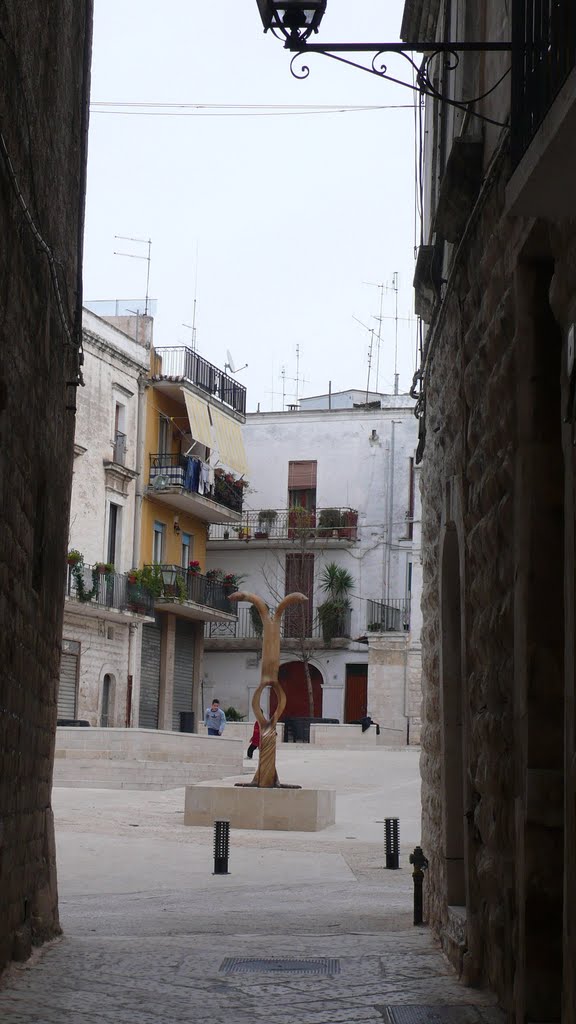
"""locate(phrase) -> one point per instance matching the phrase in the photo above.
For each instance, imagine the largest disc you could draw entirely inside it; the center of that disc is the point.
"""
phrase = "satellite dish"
(230, 364)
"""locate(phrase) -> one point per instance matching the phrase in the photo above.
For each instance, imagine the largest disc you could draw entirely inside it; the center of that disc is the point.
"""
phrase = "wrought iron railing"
(168, 470)
(186, 364)
(291, 524)
(119, 448)
(543, 55)
(107, 590)
(388, 616)
(246, 628)
(185, 585)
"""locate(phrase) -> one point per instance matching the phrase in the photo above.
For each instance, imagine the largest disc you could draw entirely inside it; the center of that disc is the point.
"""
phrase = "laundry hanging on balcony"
(229, 441)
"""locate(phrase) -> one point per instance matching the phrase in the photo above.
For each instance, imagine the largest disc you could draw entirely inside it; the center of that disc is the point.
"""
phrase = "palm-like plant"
(337, 583)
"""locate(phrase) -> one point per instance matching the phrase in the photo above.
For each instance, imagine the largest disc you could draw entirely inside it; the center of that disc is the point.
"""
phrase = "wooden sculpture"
(266, 776)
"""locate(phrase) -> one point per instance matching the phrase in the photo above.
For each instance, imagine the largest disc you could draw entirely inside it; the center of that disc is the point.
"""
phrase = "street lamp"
(296, 19)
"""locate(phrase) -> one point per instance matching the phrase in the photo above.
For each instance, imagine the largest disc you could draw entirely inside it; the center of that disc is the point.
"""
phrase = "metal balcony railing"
(291, 524)
(388, 616)
(108, 590)
(543, 55)
(168, 470)
(185, 585)
(185, 364)
(245, 628)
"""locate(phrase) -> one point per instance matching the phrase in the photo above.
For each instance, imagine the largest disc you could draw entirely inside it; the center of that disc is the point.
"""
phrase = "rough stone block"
(290, 810)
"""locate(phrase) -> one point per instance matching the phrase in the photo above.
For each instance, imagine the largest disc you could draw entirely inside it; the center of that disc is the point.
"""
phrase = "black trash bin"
(187, 721)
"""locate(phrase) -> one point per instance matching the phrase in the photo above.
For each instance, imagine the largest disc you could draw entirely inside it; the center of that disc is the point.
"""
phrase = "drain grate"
(432, 1015)
(280, 965)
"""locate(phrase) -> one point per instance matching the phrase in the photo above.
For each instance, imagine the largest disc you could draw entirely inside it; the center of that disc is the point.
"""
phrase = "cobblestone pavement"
(149, 930)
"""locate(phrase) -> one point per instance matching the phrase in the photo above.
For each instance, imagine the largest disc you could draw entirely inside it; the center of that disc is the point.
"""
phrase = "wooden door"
(356, 704)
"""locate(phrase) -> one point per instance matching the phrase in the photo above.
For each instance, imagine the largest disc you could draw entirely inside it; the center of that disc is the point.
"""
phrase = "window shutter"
(302, 476)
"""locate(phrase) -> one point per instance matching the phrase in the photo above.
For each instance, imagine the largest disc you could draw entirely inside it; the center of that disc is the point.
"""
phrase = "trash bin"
(187, 721)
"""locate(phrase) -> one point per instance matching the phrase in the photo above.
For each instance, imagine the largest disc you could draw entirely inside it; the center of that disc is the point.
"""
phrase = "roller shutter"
(150, 675)
(67, 688)
(183, 669)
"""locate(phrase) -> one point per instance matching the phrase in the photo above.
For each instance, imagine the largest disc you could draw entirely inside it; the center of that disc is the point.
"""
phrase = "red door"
(356, 705)
(293, 682)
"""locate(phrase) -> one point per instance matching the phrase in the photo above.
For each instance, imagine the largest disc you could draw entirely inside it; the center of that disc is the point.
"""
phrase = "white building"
(101, 635)
(350, 465)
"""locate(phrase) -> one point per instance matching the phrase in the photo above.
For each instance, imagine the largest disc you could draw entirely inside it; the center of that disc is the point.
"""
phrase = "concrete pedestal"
(288, 810)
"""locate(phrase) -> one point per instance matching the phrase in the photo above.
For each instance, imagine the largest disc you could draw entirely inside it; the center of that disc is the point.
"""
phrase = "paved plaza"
(151, 936)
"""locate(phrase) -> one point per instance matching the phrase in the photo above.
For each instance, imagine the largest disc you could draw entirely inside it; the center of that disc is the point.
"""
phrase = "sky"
(277, 228)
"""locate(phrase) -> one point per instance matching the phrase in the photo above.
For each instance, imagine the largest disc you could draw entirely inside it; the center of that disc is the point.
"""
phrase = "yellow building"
(193, 468)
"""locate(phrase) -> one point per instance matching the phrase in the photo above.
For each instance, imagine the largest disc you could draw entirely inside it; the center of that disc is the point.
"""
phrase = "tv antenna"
(370, 348)
(230, 365)
(192, 326)
(136, 256)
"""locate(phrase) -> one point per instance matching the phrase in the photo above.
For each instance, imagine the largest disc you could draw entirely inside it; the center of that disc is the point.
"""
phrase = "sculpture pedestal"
(288, 810)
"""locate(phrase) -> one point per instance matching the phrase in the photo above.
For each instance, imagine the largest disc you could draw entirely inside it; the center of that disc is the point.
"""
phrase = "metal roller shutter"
(150, 676)
(68, 679)
(183, 669)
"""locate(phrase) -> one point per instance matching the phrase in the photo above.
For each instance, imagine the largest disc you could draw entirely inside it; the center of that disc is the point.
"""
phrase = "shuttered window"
(302, 476)
(68, 685)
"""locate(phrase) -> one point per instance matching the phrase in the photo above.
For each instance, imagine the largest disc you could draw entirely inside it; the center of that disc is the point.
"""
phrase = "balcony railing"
(543, 55)
(388, 616)
(245, 628)
(184, 585)
(108, 590)
(291, 524)
(182, 471)
(184, 364)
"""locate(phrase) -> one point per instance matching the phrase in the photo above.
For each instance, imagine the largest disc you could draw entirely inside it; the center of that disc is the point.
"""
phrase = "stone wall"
(492, 637)
(104, 650)
(44, 67)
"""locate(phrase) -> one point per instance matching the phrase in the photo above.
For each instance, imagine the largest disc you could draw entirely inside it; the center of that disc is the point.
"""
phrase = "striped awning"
(229, 441)
(199, 417)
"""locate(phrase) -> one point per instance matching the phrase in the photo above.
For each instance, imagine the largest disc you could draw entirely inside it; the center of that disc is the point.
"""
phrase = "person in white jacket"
(215, 719)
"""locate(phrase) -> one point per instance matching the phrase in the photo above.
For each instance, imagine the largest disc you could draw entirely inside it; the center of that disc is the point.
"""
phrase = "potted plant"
(337, 583)
(104, 568)
(329, 522)
(300, 520)
(194, 566)
(74, 557)
(152, 580)
(266, 517)
(134, 576)
(349, 524)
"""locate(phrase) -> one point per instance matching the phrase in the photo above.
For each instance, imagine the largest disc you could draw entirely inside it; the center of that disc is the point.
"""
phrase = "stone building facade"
(348, 464)
(495, 284)
(44, 84)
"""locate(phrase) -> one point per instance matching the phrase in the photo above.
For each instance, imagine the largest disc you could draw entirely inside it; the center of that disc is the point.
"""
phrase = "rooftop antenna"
(192, 326)
(371, 333)
(135, 256)
(394, 288)
(379, 337)
(230, 365)
(297, 379)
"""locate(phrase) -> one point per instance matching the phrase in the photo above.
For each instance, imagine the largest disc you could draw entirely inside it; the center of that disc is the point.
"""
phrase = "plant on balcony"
(330, 520)
(194, 566)
(104, 568)
(338, 584)
(151, 579)
(74, 556)
(257, 624)
(82, 594)
(300, 521)
(266, 517)
(229, 580)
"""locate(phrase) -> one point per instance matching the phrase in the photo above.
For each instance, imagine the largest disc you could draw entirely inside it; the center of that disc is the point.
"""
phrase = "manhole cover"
(280, 965)
(432, 1015)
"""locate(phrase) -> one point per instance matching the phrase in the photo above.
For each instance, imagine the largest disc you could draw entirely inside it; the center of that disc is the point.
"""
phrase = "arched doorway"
(106, 707)
(293, 679)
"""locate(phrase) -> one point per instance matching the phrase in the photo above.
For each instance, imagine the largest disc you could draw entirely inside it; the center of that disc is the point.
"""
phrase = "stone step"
(97, 773)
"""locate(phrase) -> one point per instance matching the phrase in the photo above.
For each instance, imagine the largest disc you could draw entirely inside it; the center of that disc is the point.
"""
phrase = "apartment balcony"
(543, 109)
(183, 483)
(190, 595)
(325, 527)
(390, 616)
(92, 593)
(245, 632)
(181, 364)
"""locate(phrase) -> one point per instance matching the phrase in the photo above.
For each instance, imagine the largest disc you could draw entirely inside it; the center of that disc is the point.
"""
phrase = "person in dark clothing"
(366, 722)
(254, 742)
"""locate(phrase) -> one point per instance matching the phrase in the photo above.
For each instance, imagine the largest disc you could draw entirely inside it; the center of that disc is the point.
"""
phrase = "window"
(114, 521)
(105, 712)
(302, 484)
(119, 455)
(186, 550)
(164, 445)
(158, 542)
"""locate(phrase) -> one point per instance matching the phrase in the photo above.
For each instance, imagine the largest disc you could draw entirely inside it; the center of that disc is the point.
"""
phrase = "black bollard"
(392, 843)
(420, 863)
(221, 847)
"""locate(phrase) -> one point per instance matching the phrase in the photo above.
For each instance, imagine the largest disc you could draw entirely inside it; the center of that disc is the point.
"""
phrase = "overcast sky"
(274, 222)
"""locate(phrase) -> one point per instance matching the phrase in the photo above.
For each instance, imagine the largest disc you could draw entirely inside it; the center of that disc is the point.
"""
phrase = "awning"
(229, 441)
(199, 418)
